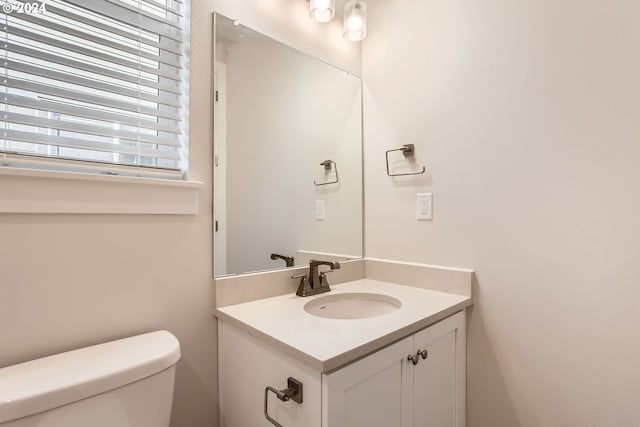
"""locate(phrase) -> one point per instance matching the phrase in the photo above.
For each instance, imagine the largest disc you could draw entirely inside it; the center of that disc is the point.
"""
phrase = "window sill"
(36, 191)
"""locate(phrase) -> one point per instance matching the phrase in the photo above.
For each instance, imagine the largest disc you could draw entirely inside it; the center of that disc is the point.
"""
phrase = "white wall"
(73, 280)
(526, 115)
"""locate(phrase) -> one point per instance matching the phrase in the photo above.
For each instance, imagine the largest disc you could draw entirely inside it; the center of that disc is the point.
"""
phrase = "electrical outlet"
(424, 206)
(320, 212)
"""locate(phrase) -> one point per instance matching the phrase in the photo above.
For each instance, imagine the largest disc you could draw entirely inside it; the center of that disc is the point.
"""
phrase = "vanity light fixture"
(355, 20)
(322, 10)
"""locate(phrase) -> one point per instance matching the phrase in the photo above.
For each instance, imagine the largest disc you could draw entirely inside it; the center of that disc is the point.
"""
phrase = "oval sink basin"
(357, 305)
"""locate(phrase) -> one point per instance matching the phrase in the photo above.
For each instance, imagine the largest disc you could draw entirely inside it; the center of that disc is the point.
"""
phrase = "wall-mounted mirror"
(288, 155)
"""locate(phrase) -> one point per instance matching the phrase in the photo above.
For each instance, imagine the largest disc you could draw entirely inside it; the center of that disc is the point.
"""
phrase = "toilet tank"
(123, 383)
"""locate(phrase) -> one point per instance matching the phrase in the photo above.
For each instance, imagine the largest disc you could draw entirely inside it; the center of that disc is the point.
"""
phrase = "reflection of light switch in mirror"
(320, 210)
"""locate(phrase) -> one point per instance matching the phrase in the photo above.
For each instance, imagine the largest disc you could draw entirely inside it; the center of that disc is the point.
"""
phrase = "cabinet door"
(439, 380)
(371, 392)
(247, 366)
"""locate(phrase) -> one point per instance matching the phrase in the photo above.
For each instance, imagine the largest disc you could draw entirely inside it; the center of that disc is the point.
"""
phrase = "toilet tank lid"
(42, 384)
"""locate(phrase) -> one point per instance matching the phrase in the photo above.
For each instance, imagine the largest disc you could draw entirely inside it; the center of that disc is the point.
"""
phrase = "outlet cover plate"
(424, 206)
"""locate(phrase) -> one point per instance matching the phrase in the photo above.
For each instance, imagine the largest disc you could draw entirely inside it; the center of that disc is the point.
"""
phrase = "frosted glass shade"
(355, 20)
(322, 10)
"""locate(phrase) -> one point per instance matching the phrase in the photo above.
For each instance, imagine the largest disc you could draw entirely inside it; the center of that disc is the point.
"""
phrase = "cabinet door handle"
(292, 392)
(416, 358)
(413, 359)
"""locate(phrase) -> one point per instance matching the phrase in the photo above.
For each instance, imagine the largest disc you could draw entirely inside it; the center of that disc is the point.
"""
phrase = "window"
(95, 86)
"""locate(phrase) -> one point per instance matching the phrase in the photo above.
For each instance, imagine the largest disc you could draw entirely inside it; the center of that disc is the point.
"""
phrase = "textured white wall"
(526, 115)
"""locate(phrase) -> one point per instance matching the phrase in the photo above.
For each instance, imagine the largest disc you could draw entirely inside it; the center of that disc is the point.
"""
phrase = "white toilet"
(123, 383)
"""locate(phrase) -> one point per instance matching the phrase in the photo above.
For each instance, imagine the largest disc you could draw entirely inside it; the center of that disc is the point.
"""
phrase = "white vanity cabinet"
(246, 366)
(387, 389)
(383, 389)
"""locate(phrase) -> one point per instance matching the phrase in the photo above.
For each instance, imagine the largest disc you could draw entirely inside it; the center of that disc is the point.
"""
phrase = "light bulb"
(355, 20)
(322, 10)
(354, 23)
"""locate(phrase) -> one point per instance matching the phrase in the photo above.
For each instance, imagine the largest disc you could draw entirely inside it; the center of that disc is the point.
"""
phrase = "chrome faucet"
(316, 282)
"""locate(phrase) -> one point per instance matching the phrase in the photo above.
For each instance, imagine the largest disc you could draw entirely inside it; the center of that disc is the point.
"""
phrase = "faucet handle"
(323, 278)
(304, 286)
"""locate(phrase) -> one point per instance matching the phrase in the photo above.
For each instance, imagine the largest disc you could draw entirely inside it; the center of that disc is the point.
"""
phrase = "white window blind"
(96, 85)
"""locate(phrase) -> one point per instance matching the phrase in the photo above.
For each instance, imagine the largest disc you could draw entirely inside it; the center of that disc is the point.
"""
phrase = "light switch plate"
(320, 211)
(424, 206)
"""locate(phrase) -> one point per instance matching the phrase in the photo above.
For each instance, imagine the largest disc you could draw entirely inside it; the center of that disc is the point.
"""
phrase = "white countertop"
(327, 344)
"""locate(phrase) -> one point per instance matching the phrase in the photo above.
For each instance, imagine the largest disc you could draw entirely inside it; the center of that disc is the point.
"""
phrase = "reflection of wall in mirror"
(287, 112)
